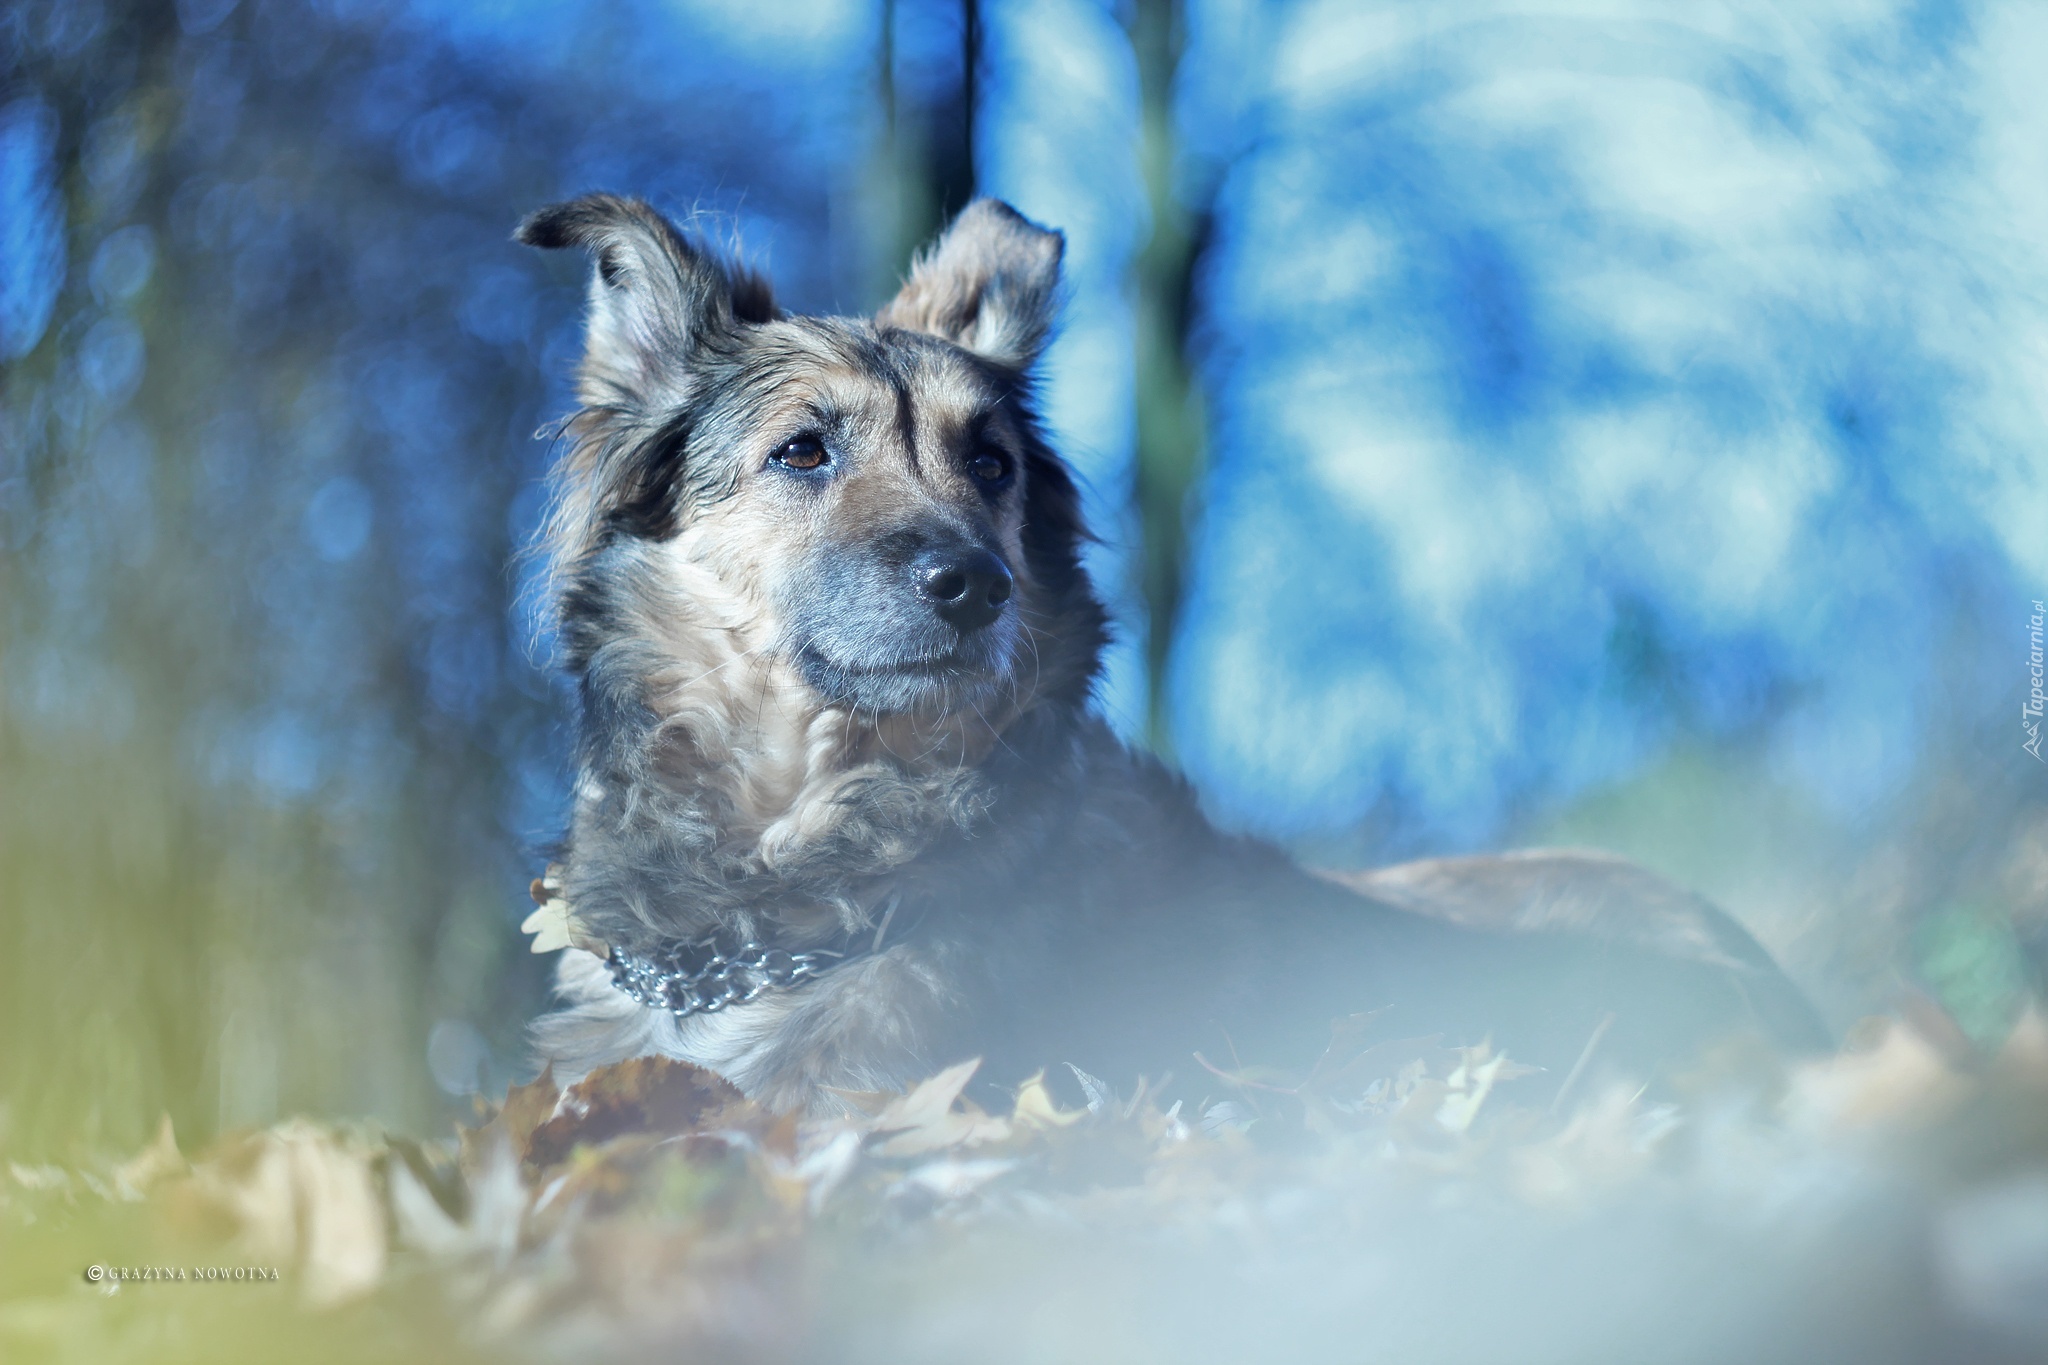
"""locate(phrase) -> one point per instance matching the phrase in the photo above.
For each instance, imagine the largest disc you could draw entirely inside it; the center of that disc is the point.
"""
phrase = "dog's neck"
(735, 720)
(714, 771)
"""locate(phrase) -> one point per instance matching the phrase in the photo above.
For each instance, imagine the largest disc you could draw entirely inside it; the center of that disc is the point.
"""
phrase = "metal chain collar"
(703, 978)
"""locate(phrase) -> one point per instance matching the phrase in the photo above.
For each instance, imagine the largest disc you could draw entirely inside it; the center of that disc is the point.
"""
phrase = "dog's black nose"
(967, 588)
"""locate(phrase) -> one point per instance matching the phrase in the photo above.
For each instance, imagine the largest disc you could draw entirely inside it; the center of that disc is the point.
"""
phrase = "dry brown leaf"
(154, 1164)
(298, 1196)
(924, 1119)
(554, 924)
(418, 1220)
(601, 1174)
(819, 1170)
(1349, 1079)
(966, 1127)
(1900, 1077)
(526, 1108)
(928, 1101)
(1469, 1085)
(1416, 1113)
(1035, 1107)
(1347, 1041)
(645, 1095)
(1607, 1142)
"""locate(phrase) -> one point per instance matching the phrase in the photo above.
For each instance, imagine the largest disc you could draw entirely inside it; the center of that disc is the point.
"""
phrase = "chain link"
(702, 978)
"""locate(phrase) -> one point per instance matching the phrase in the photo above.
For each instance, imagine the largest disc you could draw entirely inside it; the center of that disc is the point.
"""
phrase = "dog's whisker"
(716, 669)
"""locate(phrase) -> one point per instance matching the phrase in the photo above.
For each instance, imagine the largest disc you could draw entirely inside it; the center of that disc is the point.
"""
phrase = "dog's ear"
(656, 298)
(990, 284)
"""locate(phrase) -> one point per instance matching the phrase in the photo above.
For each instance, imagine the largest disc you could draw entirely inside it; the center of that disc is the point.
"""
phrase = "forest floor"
(1888, 1203)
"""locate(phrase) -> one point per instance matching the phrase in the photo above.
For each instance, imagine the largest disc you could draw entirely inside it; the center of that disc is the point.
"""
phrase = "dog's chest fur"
(716, 792)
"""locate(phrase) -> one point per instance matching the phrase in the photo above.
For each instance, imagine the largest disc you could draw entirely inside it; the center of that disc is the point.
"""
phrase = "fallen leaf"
(1227, 1116)
(554, 926)
(1350, 1079)
(1347, 1041)
(924, 1118)
(645, 1095)
(159, 1161)
(1468, 1086)
(1100, 1096)
(297, 1195)
(1606, 1143)
(418, 1220)
(820, 1170)
(526, 1108)
(1899, 1077)
(1035, 1107)
(952, 1177)
(927, 1102)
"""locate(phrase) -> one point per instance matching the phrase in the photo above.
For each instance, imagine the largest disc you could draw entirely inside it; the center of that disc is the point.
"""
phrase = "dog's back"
(1126, 933)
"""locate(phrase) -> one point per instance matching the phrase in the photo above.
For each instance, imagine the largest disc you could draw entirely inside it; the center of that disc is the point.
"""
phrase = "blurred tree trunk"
(925, 162)
(1170, 455)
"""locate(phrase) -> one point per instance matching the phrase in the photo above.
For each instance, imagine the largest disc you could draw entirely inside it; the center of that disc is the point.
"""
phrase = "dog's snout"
(966, 587)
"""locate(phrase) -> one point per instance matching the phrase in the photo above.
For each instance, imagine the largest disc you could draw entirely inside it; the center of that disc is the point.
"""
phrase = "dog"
(842, 814)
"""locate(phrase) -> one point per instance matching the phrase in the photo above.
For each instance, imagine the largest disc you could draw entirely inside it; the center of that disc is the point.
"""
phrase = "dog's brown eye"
(805, 452)
(990, 467)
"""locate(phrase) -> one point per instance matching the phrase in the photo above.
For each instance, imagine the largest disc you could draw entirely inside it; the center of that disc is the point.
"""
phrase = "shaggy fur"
(793, 728)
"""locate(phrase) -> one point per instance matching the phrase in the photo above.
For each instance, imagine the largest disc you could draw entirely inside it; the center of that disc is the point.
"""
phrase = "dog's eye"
(990, 466)
(804, 452)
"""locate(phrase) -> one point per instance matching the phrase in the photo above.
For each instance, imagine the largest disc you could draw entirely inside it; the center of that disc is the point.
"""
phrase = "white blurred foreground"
(1887, 1204)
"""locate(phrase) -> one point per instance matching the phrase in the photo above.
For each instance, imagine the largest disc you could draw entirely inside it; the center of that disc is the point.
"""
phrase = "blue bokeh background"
(1562, 339)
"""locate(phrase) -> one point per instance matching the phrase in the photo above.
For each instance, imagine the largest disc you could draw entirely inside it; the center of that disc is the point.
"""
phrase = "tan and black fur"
(793, 727)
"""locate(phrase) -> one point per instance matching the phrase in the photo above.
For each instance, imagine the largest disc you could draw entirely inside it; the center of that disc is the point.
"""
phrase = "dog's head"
(875, 492)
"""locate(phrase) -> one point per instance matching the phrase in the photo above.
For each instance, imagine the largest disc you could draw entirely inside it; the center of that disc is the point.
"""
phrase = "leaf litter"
(1394, 1202)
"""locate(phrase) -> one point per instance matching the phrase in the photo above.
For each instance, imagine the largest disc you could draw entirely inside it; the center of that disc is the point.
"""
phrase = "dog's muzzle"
(911, 622)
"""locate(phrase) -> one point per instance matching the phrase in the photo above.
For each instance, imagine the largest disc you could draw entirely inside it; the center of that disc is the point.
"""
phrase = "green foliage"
(1969, 956)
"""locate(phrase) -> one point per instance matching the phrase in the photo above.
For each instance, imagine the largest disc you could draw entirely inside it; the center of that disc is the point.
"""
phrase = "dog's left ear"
(657, 299)
(990, 284)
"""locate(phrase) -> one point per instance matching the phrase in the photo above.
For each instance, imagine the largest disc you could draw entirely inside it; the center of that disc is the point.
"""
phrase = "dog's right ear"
(657, 299)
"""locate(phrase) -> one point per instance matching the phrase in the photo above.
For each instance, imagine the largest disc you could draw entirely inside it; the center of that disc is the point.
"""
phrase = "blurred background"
(1509, 423)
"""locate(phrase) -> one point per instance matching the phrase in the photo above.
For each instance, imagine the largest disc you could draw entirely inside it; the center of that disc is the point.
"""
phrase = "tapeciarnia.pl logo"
(2030, 713)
